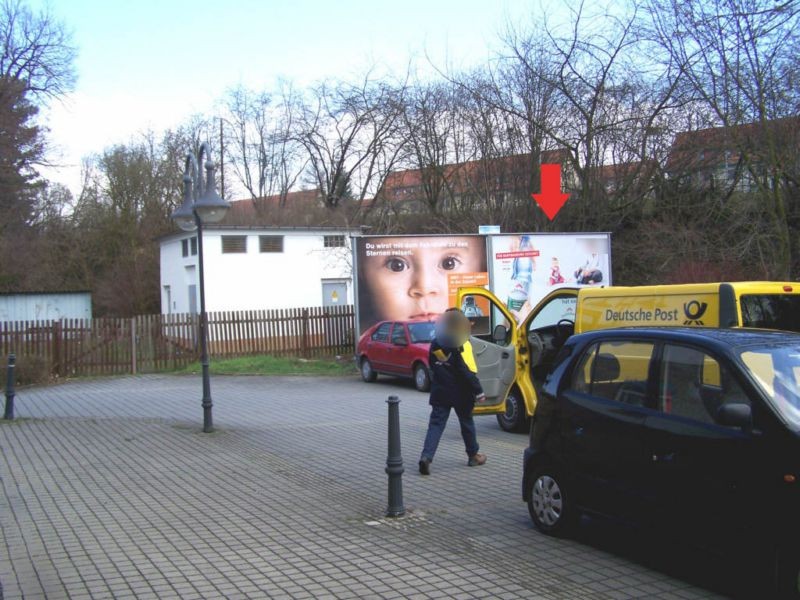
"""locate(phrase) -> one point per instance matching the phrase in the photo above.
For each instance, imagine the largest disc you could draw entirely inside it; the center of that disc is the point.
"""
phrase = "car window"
(771, 364)
(771, 311)
(399, 334)
(582, 377)
(484, 325)
(776, 370)
(615, 371)
(421, 332)
(694, 384)
(559, 308)
(381, 334)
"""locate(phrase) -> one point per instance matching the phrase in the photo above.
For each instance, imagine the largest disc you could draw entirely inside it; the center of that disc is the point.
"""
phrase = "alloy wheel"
(421, 378)
(548, 502)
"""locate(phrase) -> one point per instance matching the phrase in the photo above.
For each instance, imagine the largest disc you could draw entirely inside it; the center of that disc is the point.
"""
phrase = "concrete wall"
(254, 280)
(45, 307)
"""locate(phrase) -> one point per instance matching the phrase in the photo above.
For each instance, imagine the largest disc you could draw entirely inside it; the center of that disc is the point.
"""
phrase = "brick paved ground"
(109, 490)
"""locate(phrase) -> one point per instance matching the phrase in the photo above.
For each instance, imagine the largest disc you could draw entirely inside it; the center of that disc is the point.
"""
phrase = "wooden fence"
(149, 343)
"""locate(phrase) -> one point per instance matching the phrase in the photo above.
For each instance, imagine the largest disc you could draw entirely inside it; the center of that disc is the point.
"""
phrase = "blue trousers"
(436, 425)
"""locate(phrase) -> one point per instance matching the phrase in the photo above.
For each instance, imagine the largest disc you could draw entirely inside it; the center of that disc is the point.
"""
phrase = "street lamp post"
(201, 205)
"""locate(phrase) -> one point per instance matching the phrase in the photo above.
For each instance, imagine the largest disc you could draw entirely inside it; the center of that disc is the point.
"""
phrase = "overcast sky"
(151, 64)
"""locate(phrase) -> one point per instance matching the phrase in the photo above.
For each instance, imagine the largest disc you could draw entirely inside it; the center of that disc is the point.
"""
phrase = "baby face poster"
(415, 277)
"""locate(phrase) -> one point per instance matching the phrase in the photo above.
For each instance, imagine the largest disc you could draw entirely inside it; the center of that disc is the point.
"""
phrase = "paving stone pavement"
(110, 490)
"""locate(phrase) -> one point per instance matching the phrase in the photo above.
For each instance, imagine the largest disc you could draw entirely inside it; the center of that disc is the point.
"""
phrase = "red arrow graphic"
(550, 200)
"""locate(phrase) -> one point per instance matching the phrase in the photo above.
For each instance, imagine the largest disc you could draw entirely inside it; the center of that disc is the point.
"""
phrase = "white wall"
(173, 267)
(257, 280)
(45, 307)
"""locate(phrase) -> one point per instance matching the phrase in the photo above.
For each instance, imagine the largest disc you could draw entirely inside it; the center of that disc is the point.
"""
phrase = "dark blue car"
(693, 430)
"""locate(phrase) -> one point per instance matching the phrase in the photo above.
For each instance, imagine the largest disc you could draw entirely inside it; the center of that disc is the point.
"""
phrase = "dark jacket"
(452, 383)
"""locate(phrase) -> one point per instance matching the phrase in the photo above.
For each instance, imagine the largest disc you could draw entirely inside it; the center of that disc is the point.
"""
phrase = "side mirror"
(500, 334)
(735, 415)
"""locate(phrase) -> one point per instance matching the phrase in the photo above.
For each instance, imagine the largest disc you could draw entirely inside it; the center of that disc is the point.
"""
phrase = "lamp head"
(183, 216)
(210, 206)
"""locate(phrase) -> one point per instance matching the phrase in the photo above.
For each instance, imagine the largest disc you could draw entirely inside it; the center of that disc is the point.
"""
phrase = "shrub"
(28, 370)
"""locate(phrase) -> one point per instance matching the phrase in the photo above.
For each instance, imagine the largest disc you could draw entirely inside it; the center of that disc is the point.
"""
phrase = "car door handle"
(667, 457)
(505, 355)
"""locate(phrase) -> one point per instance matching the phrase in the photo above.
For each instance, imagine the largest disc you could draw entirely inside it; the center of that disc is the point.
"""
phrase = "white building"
(252, 268)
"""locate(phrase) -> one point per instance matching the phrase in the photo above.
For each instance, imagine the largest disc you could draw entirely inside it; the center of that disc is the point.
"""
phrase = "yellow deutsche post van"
(513, 360)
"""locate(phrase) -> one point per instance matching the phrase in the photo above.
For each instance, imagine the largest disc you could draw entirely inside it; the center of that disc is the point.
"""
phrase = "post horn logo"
(694, 310)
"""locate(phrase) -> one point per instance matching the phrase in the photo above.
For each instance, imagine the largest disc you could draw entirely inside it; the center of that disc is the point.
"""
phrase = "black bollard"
(394, 462)
(9, 412)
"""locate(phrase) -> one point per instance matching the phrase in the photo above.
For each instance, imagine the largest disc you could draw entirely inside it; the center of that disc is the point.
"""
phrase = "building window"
(234, 244)
(189, 246)
(334, 241)
(270, 243)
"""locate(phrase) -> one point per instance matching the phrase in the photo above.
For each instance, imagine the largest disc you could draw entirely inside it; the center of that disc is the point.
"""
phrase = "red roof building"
(481, 181)
(734, 157)
(304, 208)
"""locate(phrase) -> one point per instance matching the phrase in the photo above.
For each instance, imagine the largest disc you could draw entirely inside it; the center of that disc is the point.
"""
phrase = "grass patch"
(274, 365)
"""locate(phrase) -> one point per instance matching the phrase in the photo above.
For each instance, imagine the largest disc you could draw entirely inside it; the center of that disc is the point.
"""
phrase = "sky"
(152, 64)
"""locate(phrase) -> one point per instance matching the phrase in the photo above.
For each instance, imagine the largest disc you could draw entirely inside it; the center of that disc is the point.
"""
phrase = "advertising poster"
(415, 277)
(526, 267)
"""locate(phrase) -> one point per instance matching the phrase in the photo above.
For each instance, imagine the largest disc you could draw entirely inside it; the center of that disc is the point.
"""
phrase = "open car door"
(494, 343)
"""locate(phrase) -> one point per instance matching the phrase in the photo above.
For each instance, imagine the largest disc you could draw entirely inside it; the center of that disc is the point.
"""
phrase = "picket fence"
(149, 343)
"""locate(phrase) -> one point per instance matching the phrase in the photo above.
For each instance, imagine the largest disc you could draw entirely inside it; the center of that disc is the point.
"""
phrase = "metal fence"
(149, 343)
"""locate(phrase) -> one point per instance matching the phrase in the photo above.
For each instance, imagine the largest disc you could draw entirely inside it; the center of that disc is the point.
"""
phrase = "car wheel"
(514, 418)
(788, 573)
(549, 503)
(367, 373)
(422, 379)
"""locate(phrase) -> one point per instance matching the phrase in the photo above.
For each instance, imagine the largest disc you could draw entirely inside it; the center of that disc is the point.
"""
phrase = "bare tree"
(738, 58)
(581, 89)
(507, 146)
(35, 64)
(429, 125)
(459, 156)
(37, 50)
(267, 158)
(129, 193)
(593, 65)
(349, 133)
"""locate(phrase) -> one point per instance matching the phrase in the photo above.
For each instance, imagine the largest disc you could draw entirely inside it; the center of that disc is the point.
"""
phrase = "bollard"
(9, 412)
(394, 462)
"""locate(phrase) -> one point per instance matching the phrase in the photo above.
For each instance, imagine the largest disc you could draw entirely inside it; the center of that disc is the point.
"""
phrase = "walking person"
(454, 385)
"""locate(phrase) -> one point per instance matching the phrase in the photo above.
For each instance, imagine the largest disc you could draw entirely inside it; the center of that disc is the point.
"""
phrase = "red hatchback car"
(397, 348)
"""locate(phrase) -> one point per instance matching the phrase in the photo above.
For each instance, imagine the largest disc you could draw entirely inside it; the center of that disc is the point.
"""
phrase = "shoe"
(477, 460)
(425, 466)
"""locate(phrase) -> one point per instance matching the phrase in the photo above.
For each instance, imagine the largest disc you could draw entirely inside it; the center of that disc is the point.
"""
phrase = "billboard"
(525, 267)
(414, 276)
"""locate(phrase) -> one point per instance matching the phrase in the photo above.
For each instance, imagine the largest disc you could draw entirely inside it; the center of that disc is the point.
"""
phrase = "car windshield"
(421, 332)
(777, 371)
